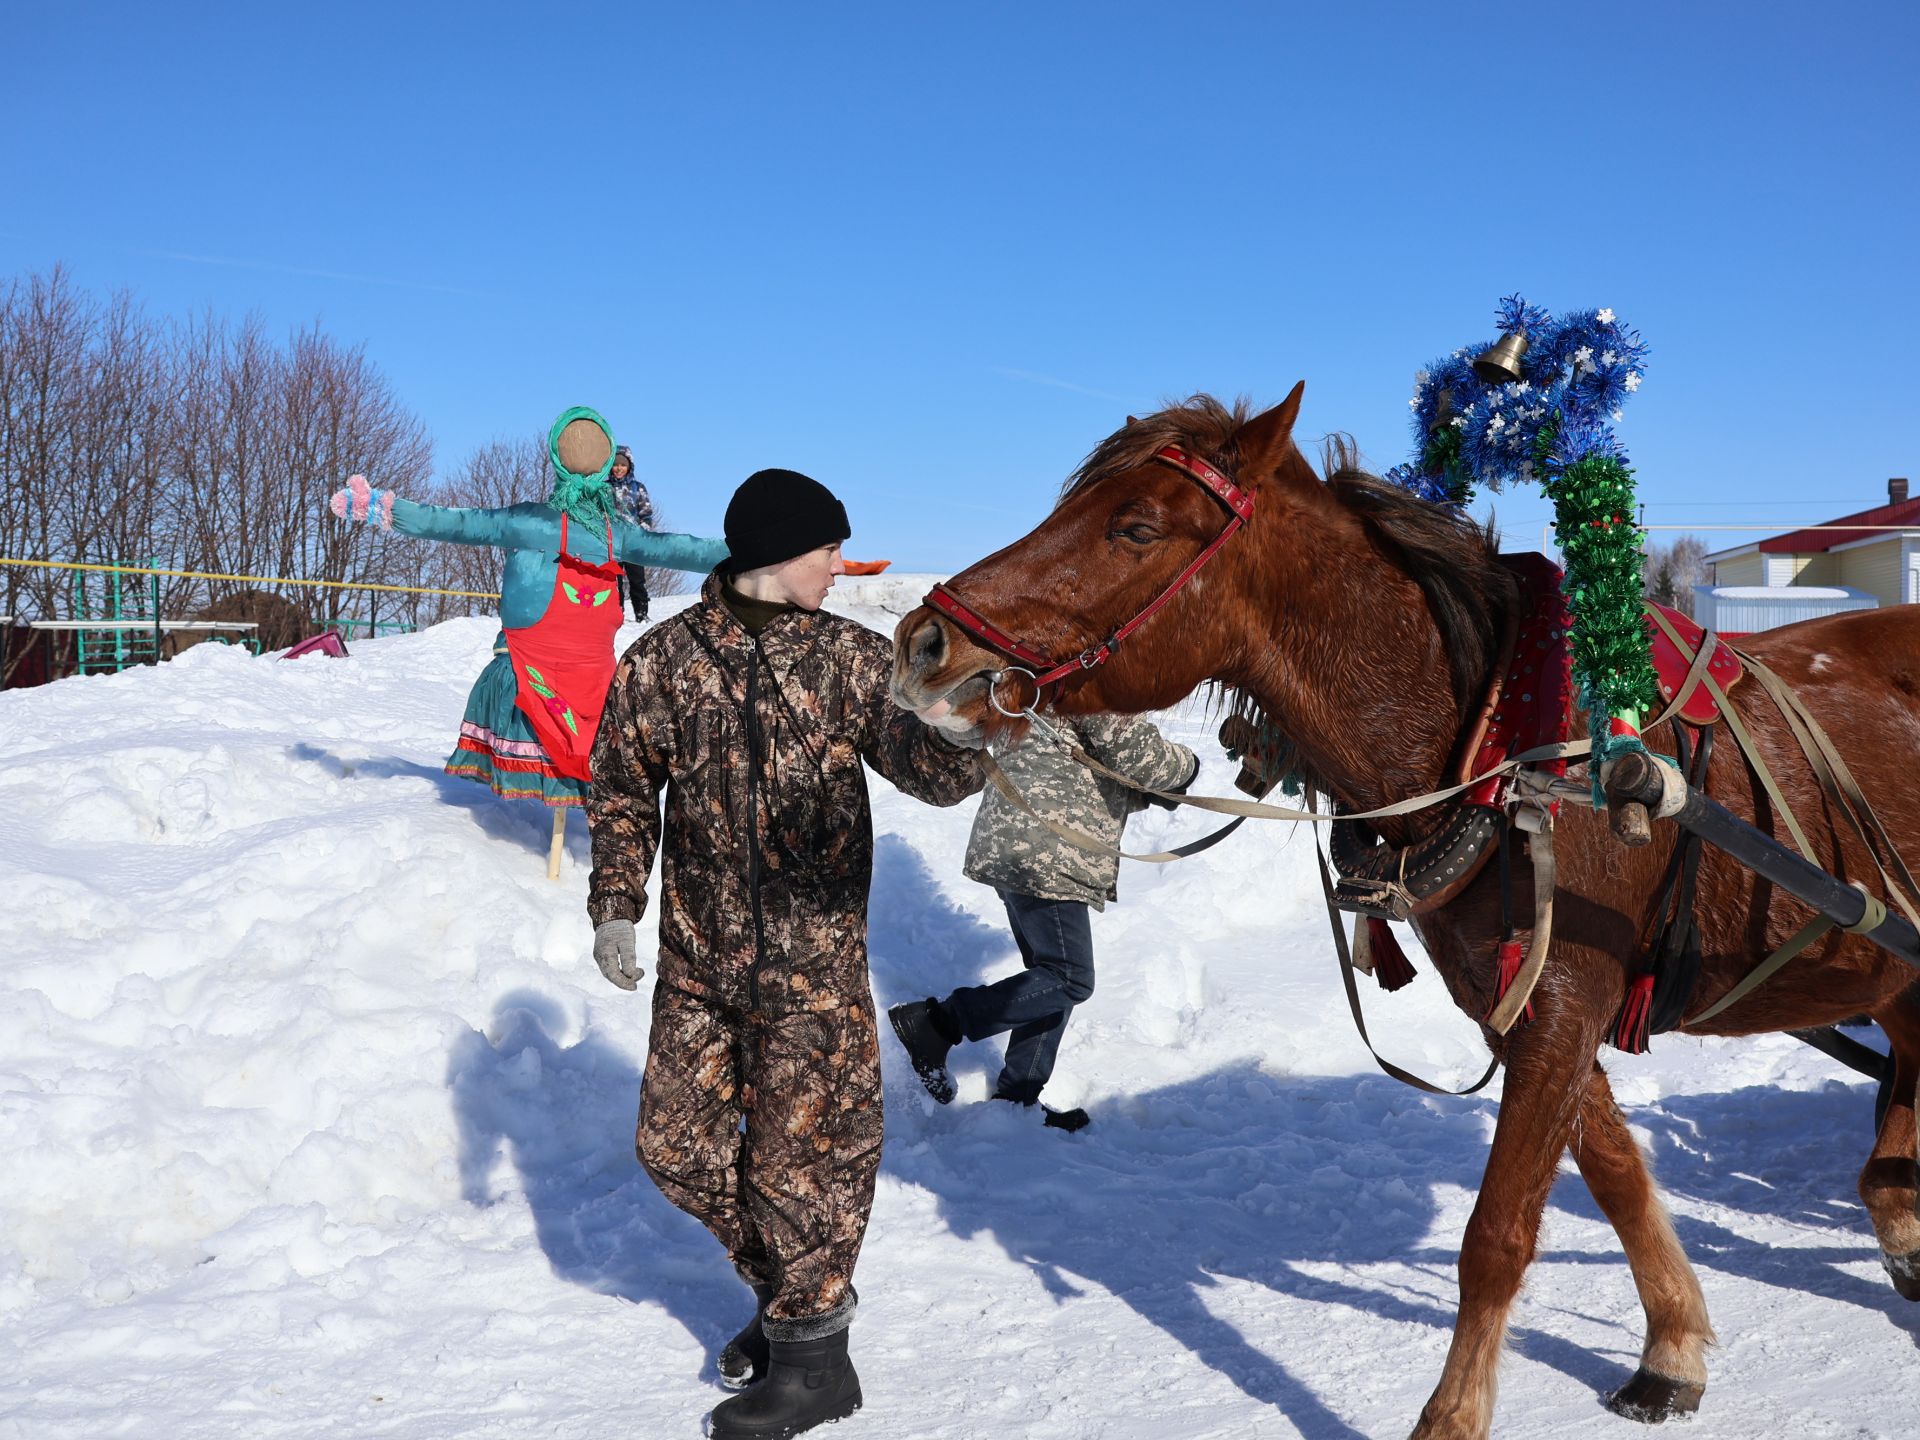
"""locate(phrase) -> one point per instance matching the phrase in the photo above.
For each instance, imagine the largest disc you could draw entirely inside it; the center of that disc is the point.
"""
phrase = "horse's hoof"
(1904, 1271)
(1651, 1398)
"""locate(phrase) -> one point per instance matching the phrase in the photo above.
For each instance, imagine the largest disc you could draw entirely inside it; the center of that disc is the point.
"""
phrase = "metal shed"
(1742, 609)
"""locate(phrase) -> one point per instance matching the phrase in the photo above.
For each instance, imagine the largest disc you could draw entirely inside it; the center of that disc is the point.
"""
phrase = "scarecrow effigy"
(532, 715)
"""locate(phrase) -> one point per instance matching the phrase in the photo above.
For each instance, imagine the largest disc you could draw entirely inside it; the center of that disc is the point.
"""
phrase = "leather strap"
(1405, 1077)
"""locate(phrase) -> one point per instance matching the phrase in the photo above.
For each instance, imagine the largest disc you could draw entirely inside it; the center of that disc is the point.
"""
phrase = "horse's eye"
(1138, 533)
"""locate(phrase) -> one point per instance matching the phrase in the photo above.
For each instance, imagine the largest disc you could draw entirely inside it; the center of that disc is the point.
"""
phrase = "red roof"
(1812, 542)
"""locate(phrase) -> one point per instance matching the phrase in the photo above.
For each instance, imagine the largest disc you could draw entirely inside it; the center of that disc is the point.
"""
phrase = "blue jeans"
(1056, 947)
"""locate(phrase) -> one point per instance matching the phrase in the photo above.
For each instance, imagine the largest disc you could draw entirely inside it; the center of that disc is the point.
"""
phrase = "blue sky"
(931, 254)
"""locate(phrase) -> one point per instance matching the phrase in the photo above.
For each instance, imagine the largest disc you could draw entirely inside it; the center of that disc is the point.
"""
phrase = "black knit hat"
(778, 514)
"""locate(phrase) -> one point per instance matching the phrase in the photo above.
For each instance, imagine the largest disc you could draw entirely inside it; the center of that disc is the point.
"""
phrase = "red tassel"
(1390, 964)
(1511, 954)
(1630, 1031)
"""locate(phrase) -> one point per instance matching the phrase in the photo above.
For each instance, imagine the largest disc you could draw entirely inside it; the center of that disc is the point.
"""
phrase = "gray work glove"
(616, 952)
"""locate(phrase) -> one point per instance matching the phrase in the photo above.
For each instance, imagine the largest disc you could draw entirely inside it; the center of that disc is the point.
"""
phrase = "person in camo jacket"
(760, 1110)
(1047, 885)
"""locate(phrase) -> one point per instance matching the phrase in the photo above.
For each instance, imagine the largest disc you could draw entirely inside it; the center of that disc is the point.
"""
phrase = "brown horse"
(1364, 623)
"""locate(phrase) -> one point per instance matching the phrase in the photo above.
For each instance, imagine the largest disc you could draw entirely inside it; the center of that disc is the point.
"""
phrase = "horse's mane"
(1454, 561)
(1200, 424)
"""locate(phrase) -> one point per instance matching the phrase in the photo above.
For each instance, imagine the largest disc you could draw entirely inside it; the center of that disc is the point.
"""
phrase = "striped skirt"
(497, 746)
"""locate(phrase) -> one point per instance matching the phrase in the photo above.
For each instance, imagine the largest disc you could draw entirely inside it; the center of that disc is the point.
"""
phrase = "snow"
(1784, 593)
(316, 1116)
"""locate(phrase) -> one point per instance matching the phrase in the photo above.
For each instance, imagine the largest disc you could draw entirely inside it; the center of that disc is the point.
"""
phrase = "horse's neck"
(1357, 677)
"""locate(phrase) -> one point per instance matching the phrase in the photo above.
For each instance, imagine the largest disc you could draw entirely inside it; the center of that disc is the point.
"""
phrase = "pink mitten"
(359, 498)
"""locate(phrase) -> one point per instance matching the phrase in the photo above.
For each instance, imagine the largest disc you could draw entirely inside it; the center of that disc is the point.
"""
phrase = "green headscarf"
(586, 498)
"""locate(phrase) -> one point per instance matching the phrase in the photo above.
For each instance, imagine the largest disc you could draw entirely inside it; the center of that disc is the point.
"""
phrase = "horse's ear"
(1133, 420)
(1265, 437)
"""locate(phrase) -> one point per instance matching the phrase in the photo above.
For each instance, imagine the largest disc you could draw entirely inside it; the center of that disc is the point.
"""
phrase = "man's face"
(807, 578)
(619, 469)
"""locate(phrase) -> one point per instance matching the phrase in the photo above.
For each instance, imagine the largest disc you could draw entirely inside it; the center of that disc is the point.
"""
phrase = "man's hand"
(1180, 789)
(616, 952)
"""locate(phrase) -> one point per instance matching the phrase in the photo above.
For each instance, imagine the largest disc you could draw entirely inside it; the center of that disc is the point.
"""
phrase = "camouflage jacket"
(1010, 850)
(757, 746)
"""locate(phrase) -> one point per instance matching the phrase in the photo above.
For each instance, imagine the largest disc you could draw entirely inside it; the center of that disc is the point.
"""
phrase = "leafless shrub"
(1668, 573)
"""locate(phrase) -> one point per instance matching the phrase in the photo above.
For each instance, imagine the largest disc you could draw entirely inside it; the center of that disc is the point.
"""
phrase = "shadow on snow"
(523, 823)
(1238, 1173)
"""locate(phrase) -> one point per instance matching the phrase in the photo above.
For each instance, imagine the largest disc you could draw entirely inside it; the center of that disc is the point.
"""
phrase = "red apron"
(564, 661)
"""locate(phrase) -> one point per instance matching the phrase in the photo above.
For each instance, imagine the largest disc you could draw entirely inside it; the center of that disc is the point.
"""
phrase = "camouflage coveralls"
(761, 1006)
(1012, 851)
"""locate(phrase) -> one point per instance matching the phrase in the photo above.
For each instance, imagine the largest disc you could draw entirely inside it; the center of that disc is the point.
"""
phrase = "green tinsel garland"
(1593, 506)
(1442, 457)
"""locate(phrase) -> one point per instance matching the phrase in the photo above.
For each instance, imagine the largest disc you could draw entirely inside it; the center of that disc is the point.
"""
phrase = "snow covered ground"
(316, 1118)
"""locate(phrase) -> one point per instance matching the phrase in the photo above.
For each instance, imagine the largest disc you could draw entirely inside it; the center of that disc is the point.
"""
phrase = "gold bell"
(1502, 362)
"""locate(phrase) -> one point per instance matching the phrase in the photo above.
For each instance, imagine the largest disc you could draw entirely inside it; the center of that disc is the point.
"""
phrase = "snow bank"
(316, 1114)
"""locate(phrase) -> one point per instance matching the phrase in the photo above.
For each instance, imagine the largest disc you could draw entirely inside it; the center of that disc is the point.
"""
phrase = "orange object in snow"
(865, 567)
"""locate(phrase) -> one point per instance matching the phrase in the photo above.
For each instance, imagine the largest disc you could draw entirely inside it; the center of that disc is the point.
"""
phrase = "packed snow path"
(317, 1118)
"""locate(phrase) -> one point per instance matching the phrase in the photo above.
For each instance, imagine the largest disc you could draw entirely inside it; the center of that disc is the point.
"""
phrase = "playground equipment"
(374, 629)
(121, 624)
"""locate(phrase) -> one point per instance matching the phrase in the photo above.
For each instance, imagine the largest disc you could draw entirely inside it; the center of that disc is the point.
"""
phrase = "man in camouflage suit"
(760, 1111)
(1047, 885)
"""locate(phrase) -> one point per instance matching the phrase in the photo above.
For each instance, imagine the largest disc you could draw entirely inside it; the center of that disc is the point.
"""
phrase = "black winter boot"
(1067, 1120)
(925, 1045)
(744, 1360)
(809, 1382)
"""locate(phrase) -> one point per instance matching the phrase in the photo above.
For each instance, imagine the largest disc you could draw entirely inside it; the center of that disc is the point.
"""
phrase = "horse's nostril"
(929, 646)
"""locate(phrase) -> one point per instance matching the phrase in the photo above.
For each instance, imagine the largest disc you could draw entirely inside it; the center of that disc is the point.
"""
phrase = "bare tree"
(201, 443)
(1668, 573)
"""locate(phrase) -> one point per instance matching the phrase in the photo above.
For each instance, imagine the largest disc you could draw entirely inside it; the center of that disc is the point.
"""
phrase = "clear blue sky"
(931, 254)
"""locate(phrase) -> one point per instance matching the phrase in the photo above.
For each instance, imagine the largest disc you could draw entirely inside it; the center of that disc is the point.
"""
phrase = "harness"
(1035, 664)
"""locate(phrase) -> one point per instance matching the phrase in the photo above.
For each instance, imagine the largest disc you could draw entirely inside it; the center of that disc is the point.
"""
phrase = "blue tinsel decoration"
(1582, 366)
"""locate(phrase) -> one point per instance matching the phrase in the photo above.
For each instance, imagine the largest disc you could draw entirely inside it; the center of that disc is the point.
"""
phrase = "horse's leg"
(1673, 1372)
(1890, 1184)
(1547, 1063)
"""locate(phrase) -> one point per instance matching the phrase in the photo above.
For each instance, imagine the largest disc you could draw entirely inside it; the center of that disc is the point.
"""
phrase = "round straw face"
(584, 447)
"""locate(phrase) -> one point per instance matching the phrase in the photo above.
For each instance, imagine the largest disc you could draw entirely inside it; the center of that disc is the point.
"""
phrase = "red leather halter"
(1042, 668)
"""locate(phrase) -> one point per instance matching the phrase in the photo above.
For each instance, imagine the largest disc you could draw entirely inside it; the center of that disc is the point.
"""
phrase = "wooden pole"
(559, 842)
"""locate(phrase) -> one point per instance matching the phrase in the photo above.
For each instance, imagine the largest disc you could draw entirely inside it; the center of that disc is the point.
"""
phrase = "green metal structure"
(119, 599)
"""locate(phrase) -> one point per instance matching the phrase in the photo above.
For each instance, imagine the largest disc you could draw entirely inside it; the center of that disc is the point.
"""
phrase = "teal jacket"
(530, 534)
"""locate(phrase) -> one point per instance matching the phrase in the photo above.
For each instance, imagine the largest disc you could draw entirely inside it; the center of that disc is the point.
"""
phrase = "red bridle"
(1036, 663)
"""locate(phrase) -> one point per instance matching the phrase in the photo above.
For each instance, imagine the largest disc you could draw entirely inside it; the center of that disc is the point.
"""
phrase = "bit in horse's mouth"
(912, 694)
(967, 692)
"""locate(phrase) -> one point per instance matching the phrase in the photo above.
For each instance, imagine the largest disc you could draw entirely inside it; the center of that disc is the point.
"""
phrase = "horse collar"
(1528, 704)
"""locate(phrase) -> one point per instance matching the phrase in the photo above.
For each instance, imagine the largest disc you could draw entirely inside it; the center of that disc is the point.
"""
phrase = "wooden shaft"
(559, 842)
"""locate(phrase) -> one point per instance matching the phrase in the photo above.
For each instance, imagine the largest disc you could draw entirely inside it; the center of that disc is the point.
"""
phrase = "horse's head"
(1127, 525)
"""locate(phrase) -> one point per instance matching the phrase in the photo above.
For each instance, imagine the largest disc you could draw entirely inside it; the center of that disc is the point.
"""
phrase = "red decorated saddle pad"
(1670, 665)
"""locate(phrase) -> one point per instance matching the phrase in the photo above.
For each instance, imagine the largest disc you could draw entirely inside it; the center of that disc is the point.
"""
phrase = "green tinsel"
(1442, 457)
(1593, 503)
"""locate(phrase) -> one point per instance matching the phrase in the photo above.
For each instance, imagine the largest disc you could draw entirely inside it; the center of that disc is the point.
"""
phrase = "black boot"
(809, 1382)
(744, 1360)
(917, 1025)
(1067, 1120)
